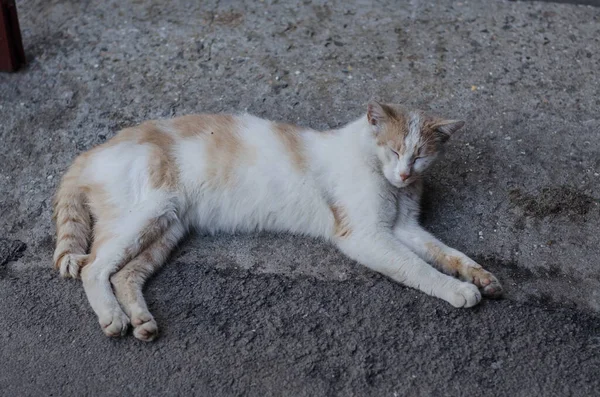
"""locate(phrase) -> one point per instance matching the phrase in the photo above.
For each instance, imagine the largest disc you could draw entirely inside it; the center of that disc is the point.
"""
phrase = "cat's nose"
(404, 177)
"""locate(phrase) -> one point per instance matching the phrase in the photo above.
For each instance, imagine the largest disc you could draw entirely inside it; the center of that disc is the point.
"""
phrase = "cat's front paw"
(487, 283)
(115, 324)
(464, 295)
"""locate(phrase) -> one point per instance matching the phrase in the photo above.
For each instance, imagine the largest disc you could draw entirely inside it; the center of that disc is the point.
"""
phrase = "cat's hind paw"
(146, 328)
(115, 325)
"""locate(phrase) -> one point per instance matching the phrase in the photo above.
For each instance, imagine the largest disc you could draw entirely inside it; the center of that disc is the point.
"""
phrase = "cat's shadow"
(430, 202)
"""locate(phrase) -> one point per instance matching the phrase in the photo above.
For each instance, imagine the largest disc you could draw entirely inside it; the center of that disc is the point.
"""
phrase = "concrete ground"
(518, 190)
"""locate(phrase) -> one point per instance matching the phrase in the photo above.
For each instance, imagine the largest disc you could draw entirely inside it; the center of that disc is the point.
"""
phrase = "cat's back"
(212, 145)
(222, 150)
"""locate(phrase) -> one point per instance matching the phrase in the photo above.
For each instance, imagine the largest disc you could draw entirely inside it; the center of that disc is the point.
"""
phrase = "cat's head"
(408, 141)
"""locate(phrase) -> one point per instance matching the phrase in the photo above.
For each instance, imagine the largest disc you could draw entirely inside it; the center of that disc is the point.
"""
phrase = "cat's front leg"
(449, 260)
(382, 252)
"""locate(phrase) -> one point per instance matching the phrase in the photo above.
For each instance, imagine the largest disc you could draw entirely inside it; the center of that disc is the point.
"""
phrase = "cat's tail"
(73, 222)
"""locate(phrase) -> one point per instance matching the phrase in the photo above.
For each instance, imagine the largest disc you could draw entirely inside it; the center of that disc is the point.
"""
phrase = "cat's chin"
(402, 184)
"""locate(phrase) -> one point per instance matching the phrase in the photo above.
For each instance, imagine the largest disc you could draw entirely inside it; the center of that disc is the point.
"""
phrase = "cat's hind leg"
(115, 243)
(447, 259)
(129, 281)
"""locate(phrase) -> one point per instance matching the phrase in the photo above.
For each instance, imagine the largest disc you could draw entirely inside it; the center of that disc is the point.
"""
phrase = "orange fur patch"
(224, 146)
(290, 136)
(68, 236)
(450, 264)
(341, 222)
(455, 266)
(58, 258)
(394, 129)
(99, 202)
(435, 252)
(162, 168)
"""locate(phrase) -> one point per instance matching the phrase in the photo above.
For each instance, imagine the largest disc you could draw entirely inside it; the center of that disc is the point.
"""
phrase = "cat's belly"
(272, 206)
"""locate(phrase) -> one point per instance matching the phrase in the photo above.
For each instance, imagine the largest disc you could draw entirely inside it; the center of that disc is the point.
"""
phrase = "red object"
(12, 56)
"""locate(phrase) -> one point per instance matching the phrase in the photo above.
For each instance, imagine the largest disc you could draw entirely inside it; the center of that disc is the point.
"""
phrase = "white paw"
(464, 295)
(115, 324)
(146, 328)
(71, 264)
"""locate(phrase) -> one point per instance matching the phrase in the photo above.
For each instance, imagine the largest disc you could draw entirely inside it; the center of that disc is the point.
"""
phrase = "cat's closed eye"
(395, 152)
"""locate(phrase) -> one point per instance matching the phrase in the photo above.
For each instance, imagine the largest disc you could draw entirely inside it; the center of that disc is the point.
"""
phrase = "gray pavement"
(518, 190)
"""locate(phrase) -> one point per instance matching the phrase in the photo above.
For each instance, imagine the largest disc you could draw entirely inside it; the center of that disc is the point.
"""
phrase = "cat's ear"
(377, 114)
(448, 127)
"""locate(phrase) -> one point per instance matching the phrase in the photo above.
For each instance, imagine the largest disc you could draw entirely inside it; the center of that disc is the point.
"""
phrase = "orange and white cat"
(123, 206)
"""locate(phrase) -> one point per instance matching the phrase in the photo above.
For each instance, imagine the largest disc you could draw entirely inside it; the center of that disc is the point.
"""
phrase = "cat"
(123, 206)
